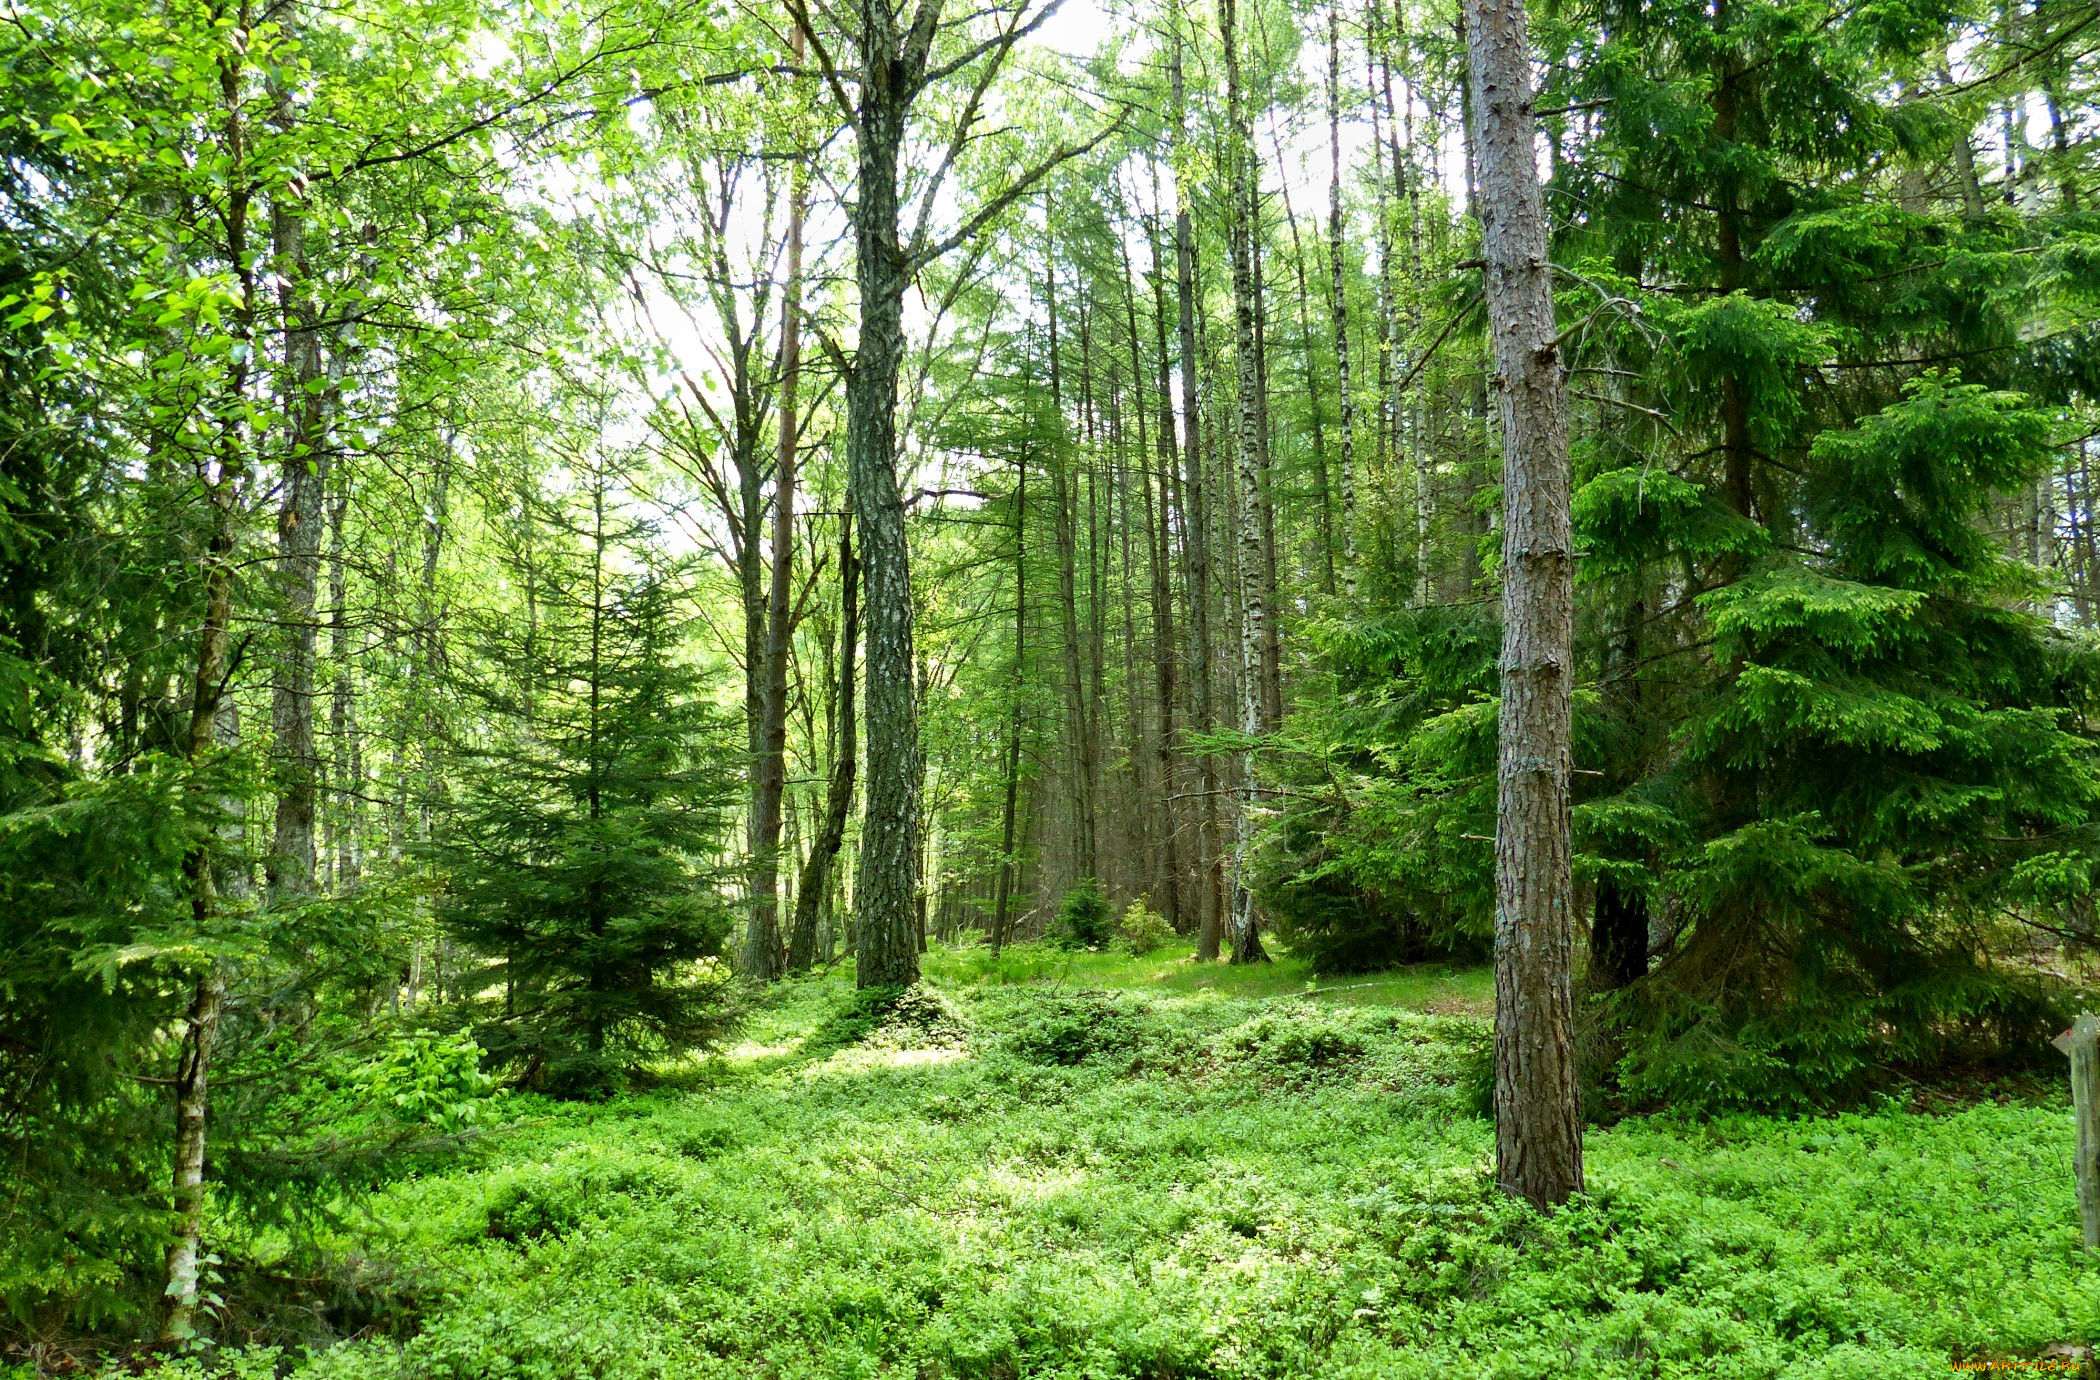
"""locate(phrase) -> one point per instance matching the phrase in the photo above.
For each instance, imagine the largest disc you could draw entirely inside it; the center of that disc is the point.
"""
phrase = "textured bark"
(814, 886)
(192, 1102)
(886, 883)
(1538, 1124)
(1246, 938)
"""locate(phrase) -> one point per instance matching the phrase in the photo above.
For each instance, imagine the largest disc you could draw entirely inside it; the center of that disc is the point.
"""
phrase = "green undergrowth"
(1059, 1165)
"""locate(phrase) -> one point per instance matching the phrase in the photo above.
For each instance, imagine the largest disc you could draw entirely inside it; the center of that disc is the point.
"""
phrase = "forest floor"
(1097, 1166)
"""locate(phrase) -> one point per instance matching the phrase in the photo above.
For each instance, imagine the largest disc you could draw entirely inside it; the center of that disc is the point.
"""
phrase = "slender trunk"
(1166, 883)
(1210, 923)
(348, 766)
(1265, 492)
(1085, 862)
(205, 861)
(762, 959)
(814, 885)
(1338, 267)
(1538, 1122)
(1246, 938)
(1008, 864)
(305, 475)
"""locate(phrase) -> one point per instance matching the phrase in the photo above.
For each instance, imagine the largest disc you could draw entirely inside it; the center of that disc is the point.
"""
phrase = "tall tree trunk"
(1538, 1122)
(762, 957)
(1246, 938)
(205, 866)
(1210, 924)
(1338, 267)
(291, 860)
(1167, 881)
(1085, 861)
(814, 886)
(886, 884)
(1008, 864)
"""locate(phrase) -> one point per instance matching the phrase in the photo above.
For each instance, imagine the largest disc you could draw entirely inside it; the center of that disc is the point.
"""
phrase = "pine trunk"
(1538, 1123)
(887, 882)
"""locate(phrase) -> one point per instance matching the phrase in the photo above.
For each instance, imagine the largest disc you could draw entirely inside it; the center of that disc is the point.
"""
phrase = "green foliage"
(1380, 856)
(1142, 930)
(578, 819)
(1241, 1210)
(1079, 1028)
(1085, 919)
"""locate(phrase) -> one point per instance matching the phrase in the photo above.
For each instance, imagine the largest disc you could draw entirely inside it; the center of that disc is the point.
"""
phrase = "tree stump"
(2082, 1043)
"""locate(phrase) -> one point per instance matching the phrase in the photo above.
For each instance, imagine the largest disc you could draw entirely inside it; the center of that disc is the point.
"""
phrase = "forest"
(1175, 689)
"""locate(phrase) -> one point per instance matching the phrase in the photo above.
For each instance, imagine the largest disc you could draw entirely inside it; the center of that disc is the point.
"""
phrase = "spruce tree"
(1832, 749)
(585, 816)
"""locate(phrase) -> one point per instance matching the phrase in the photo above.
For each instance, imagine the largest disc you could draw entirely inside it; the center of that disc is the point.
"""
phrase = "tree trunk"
(1246, 938)
(1538, 1123)
(291, 869)
(813, 888)
(1167, 880)
(291, 861)
(762, 957)
(1085, 861)
(1008, 864)
(886, 883)
(1210, 922)
(1337, 265)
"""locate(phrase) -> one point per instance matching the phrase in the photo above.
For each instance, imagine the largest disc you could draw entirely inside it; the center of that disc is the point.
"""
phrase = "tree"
(573, 839)
(897, 56)
(1538, 1118)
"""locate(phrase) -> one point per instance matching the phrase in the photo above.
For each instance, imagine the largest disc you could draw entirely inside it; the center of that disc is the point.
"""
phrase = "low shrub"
(1142, 930)
(1078, 1028)
(1085, 920)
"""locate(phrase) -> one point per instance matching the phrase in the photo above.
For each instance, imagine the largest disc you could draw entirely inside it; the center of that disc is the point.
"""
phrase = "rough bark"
(1246, 938)
(1538, 1124)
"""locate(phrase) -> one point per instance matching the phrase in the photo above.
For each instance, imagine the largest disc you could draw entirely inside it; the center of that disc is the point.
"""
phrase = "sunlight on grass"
(1441, 989)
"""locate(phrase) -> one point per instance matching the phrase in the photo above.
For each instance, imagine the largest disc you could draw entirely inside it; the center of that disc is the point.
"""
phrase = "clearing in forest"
(1049, 1165)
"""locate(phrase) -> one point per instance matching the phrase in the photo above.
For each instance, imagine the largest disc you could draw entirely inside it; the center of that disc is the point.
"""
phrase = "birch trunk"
(1246, 939)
